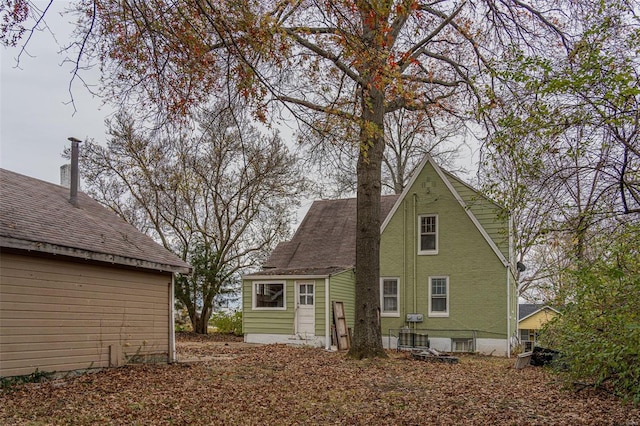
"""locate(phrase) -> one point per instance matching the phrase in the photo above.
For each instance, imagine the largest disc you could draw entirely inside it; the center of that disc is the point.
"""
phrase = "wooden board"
(342, 332)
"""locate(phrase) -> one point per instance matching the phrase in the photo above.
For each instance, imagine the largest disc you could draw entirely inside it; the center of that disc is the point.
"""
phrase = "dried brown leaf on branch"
(234, 383)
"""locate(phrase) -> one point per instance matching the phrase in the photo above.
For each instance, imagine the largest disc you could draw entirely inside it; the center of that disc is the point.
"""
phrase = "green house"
(446, 278)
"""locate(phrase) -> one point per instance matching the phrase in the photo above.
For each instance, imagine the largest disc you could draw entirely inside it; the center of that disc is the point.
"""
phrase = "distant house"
(444, 267)
(531, 318)
(79, 287)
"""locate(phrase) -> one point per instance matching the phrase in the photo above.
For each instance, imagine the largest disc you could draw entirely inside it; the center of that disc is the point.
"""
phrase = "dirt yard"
(228, 382)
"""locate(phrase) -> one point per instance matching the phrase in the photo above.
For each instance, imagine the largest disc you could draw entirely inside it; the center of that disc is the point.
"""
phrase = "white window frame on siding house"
(383, 312)
(254, 291)
(424, 230)
(446, 296)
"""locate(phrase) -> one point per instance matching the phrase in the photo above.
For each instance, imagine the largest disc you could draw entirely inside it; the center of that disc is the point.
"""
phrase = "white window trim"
(419, 236)
(439, 314)
(253, 296)
(382, 312)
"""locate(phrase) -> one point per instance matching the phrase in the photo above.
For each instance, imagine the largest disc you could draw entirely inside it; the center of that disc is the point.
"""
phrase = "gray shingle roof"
(325, 241)
(36, 215)
(526, 309)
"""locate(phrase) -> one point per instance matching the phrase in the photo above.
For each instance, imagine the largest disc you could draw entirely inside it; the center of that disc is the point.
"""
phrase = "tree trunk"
(201, 323)
(367, 336)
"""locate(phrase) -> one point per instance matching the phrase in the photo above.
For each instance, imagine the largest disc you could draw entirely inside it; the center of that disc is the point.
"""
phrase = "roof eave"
(297, 275)
(538, 311)
(48, 248)
(284, 277)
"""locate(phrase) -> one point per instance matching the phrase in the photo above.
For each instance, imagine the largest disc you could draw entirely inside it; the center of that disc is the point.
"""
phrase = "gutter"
(287, 277)
(78, 253)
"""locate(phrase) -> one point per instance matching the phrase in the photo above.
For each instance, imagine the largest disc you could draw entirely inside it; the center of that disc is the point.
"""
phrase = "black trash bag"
(543, 356)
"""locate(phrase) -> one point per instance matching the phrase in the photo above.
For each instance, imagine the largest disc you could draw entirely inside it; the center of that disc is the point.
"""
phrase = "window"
(389, 296)
(528, 338)
(269, 296)
(428, 238)
(462, 345)
(438, 296)
(305, 294)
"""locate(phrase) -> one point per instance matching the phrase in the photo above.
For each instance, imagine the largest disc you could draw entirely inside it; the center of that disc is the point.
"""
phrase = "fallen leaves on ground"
(277, 384)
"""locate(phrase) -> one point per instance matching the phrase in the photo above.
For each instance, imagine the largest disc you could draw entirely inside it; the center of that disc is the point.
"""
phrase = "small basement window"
(269, 295)
(462, 345)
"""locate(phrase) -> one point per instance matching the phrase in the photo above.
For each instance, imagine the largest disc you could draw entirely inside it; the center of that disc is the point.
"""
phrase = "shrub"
(598, 332)
(228, 323)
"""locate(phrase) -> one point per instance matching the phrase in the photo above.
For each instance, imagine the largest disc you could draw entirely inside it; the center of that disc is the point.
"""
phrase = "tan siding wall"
(57, 315)
(536, 321)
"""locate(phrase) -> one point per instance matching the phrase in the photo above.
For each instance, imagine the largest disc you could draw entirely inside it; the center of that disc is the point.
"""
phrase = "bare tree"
(409, 135)
(220, 196)
(565, 157)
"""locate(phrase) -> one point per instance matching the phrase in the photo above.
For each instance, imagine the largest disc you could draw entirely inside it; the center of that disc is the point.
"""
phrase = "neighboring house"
(531, 318)
(79, 287)
(444, 268)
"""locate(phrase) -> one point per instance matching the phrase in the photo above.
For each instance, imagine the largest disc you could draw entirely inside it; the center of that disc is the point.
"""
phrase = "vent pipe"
(73, 199)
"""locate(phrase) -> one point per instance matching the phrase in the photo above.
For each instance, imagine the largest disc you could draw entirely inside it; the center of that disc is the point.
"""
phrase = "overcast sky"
(35, 119)
(35, 116)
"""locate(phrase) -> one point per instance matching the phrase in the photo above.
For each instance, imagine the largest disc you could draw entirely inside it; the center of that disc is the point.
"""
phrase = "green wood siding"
(281, 321)
(477, 278)
(491, 216)
(267, 321)
(342, 289)
(320, 304)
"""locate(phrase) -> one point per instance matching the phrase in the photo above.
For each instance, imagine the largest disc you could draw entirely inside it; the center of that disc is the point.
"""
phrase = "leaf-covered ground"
(233, 383)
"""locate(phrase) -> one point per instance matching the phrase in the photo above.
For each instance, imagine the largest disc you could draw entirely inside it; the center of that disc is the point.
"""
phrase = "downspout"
(296, 307)
(404, 256)
(172, 331)
(510, 260)
(415, 253)
(327, 313)
(508, 311)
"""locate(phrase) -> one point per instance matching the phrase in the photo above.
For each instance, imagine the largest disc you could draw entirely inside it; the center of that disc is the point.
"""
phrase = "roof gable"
(502, 254)
(325, 241)
(527, 310)
(37, 216)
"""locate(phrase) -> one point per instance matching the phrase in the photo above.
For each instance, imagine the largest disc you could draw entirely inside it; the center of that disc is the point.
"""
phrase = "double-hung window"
(389, 297)
(428, 234)
(269, 295)
(438, 296)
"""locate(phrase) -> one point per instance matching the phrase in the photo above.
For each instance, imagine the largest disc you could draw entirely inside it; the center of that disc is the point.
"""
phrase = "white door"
(305, 309)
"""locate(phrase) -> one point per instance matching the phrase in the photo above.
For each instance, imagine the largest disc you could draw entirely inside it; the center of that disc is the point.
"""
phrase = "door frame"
(297, 305)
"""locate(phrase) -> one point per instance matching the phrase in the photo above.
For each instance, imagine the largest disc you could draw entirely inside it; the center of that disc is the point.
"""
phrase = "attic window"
(269, 295)
(428, 234)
